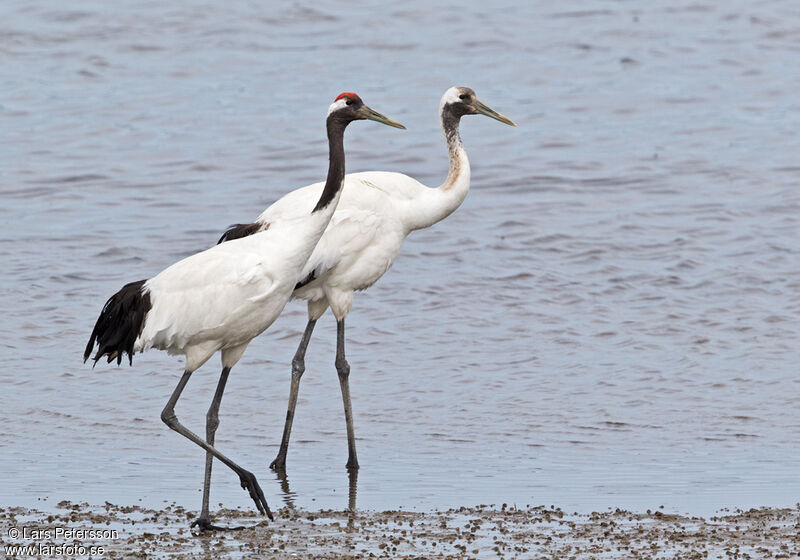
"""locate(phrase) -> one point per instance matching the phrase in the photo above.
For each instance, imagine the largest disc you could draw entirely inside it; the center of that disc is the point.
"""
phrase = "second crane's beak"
(367, 113)
(489, 112)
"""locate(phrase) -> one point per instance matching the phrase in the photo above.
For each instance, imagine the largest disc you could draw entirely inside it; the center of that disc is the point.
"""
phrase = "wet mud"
(504, 531)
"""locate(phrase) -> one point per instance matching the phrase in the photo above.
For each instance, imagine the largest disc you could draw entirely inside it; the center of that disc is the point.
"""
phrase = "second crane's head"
(459, 101)
(348, 107)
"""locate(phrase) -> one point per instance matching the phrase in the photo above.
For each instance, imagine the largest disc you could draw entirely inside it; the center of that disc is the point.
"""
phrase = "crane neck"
(438, 203)
(457, 155)
(335, 180)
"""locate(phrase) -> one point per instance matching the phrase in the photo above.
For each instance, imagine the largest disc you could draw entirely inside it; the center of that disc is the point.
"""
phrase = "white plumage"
(222, 298)
(376, 212)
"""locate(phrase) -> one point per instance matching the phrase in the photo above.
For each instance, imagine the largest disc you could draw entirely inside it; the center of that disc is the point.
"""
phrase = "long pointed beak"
(373, 115)
(489, 112)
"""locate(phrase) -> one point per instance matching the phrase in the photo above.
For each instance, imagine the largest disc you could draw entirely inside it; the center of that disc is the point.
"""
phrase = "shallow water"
(609, 320)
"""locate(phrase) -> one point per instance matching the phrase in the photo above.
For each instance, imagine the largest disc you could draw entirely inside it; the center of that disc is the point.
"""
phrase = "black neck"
(450, 122)
(335, 163)
(451, 117)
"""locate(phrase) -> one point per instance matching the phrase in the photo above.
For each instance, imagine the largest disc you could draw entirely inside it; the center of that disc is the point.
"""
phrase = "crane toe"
(204, 524)
(249, 483)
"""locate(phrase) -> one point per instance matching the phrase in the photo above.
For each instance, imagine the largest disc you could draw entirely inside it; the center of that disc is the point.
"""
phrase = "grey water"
(610, 319)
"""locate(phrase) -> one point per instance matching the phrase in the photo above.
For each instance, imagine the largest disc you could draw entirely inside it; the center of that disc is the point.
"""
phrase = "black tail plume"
(120, 323)
(237, 231)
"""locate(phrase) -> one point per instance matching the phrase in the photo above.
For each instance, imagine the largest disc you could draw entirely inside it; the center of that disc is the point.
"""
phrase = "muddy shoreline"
(468, 532)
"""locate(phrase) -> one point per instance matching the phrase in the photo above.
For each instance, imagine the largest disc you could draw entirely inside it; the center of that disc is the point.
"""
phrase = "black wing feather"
(237, 231)
(120, 323)
(307, 280)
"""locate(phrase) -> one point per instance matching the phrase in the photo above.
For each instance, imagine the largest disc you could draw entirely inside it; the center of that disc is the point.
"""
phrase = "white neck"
(438, 203)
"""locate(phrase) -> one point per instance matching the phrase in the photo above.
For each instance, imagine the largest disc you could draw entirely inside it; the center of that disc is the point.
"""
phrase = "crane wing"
(229, 289)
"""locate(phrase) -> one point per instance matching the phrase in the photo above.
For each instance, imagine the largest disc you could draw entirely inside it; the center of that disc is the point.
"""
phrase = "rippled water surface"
(609, 320)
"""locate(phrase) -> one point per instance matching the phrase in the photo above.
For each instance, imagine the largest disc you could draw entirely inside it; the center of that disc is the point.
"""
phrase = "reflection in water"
(212, 545)
(209, 544)
(352, 479)
(288, 496)
(352, 476)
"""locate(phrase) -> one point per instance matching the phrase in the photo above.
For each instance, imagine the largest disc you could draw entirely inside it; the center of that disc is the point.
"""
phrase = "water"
(609, 320)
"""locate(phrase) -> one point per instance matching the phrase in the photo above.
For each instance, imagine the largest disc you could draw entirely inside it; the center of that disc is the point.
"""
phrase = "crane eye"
(349, 102)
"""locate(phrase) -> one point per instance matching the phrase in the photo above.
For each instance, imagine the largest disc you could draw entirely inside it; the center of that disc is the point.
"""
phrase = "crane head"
(463, 101)
(348, 107)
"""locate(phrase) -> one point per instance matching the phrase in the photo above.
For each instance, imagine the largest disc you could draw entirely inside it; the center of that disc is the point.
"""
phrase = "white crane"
(222, 298)
(377, 211)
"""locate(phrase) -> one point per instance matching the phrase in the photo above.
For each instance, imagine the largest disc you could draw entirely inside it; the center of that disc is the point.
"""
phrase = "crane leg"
(343, 369)
(247, 479)
(212, 422)
(298, 368)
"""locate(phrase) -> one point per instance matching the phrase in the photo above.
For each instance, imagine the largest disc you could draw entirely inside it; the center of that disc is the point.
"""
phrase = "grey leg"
(246, 478)
(298, 368)
(343, 369)
(212, 422)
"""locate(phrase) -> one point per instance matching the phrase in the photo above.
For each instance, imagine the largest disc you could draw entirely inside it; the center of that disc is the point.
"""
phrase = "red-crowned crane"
(222, 298)
(377, 211)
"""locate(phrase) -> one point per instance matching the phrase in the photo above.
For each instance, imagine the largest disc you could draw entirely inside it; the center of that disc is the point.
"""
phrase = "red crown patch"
(347, 94)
